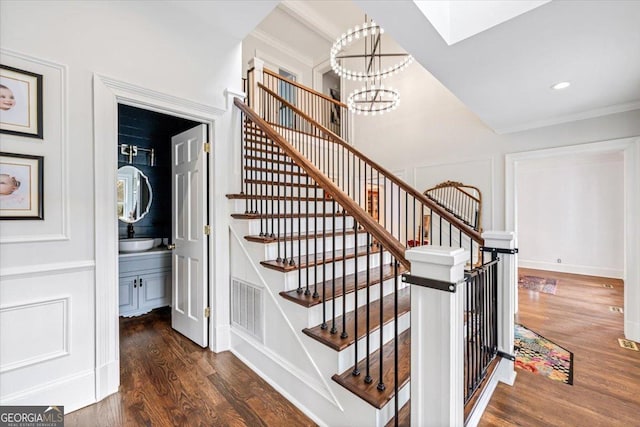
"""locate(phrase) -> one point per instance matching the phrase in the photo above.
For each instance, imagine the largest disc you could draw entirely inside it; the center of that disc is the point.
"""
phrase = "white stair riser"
(280, 206)
(315, 313)
(312, 246)
(387, 412)
(290, 279)
(278, 225)
(346, 357)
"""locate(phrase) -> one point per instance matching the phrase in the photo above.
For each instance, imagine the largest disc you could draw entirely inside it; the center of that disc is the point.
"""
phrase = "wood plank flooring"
(606, 390)
(166, 380)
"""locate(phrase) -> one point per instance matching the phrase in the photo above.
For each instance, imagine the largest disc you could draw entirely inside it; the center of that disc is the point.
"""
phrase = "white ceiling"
(504, 73)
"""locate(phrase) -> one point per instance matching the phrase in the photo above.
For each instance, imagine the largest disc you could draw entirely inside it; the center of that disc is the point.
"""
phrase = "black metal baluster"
(307, 235)
(344, 275)
(315, 240)
(367, 378)
(381, 385)
(324, 263)
(396, 353)
(299, 186)
(333, 265)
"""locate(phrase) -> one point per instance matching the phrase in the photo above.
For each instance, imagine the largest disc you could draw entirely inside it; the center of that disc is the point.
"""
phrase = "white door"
(189, 296)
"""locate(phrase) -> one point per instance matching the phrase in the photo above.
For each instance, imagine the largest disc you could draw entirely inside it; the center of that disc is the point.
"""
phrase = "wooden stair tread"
(269, 197)
(404, 417)
(294, 236)
(374, 278)
(337, 343)
(370, 392)
(305, 261)
(287, 215)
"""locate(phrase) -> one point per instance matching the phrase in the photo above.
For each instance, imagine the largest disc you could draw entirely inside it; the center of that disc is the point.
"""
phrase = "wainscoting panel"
(48, 341)
(47, 336)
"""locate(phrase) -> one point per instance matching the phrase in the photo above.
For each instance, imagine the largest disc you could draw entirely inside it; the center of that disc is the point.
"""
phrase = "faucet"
(130, 231)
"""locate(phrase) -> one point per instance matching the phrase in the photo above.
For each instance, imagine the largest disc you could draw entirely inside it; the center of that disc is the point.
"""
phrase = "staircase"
(329, 271)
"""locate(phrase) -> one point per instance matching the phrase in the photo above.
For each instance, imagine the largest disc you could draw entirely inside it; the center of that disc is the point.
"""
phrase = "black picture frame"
(25, 117)
(21, 187)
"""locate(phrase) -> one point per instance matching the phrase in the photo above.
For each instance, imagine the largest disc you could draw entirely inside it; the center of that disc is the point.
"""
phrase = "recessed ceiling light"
(561, 85)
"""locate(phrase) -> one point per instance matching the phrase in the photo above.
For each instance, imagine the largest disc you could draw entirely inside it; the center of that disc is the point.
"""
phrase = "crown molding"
(583, 115)
(311, 19)
(282, 47)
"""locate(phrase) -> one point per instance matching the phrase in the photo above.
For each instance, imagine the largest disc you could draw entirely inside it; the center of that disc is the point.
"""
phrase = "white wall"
(570, 214)
(47, 267)
(432, 133)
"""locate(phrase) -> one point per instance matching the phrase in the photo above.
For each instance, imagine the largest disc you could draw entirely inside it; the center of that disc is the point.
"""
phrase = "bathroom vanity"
(144, 281)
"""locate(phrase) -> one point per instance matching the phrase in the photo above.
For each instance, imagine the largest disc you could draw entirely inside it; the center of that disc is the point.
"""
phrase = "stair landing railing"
(408, 215)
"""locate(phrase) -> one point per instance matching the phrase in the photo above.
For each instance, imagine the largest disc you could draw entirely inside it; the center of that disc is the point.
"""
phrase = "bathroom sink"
(138, 244)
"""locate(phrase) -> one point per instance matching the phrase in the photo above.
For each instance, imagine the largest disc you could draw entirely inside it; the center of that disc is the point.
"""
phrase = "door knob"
(171, 246)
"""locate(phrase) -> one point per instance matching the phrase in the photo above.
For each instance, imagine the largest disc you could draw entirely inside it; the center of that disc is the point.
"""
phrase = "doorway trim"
(630, 147)
(108, 93)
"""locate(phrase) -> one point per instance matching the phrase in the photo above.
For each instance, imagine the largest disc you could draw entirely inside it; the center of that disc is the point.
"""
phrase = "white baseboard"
(221, 339)
(107, 379)
(632, 330)
(572, 268)
(74, 392)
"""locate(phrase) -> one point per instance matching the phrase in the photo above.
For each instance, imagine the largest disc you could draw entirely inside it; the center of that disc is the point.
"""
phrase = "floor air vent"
(247, 308)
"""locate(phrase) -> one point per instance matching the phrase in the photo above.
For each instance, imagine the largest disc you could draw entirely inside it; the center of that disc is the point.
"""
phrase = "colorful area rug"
(539, 284)
(535, 353)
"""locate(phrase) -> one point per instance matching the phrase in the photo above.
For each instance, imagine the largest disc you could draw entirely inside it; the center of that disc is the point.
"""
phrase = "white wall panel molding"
(472, 170)
(630, 147)
(45, 269)
(49, 341)
(54, 148)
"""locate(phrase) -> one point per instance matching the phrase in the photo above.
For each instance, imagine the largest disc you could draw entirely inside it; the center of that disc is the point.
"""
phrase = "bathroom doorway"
(151, 199)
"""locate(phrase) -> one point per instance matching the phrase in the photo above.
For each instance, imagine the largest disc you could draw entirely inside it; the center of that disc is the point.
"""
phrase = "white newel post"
(254, 94)
(505, 244)
(437, 352)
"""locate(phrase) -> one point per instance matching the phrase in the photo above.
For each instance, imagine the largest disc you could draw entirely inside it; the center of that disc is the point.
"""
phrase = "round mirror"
(134, 194)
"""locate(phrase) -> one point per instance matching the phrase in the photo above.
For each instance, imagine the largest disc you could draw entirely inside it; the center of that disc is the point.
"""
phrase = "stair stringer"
(284, 360)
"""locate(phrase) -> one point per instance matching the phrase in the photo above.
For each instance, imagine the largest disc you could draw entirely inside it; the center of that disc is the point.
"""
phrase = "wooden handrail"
(305, 88)
(469, 231)
(388, 242)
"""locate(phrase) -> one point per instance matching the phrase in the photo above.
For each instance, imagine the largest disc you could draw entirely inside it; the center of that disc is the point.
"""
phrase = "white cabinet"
(144, 282)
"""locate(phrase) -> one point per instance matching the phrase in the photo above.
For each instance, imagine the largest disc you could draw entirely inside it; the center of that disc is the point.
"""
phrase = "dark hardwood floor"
(169, 381)
(606, 390)
(166, 380)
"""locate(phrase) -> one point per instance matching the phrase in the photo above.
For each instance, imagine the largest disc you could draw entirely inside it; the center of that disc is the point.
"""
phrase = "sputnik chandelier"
(373, 98)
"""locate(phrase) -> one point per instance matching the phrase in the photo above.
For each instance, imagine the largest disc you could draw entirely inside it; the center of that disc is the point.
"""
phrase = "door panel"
(189, 260)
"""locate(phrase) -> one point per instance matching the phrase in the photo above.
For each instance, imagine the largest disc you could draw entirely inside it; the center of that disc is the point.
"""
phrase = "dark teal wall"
(148, 129)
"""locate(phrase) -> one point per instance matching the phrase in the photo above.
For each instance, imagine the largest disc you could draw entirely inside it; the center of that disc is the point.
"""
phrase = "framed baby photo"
(21, 186)
(20, 102)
